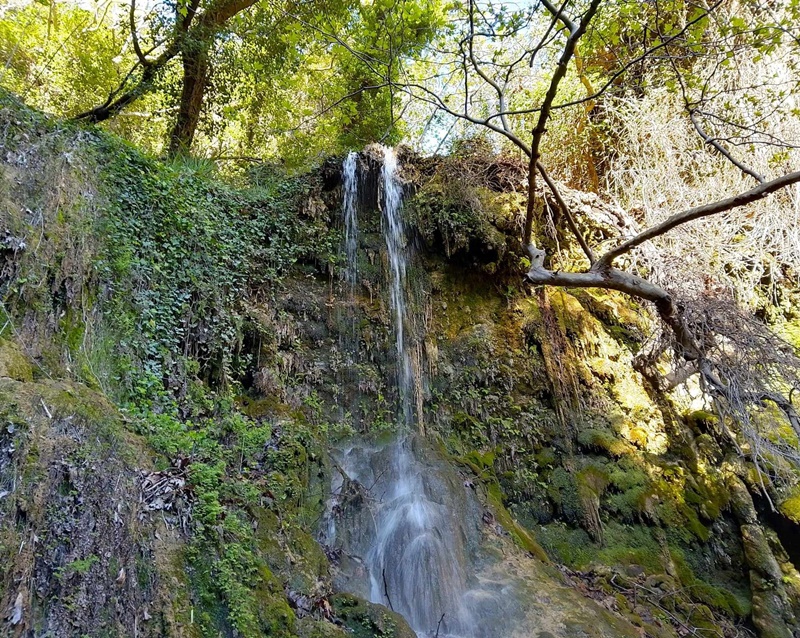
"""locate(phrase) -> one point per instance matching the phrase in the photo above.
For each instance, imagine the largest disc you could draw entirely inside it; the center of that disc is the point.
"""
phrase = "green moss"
(692, 522)
(522, 537)
(790, 507)
(368, 620)
(494, 494)
(13, 363)
(568, 545)
(563, 492)
(632, 496)
(263, 407)
(769, 610)
(546, 457)
(593, 478)
(310, 628)
(275, 617)
(701, 420)
(77, 400)
(725, 600)
(759, 554)
(483, 462)
(600, 439)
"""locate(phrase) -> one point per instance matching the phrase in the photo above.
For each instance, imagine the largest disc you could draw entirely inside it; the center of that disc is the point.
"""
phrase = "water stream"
(407, 527)
(347, 312)
(395, 235)
(350, 213)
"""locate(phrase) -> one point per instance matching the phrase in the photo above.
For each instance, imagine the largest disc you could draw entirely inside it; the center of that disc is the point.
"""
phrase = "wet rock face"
(412, 533)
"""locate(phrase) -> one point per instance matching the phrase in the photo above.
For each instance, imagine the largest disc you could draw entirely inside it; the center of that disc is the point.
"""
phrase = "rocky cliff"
(181, 361)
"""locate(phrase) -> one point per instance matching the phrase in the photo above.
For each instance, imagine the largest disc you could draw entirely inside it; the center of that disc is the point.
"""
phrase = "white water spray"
(413, 543)
(395, 236)
(349, 209)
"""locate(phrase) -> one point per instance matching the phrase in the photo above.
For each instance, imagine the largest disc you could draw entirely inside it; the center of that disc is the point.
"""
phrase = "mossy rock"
(102, 557)
(770, 613)
(701, 420)
(275, 617)
(546, 457)
(303, 565)
(310, 628)
(494, 496)
(605, 441)
(369, 620)
(759, 554)
(790, 507)
(13, 363)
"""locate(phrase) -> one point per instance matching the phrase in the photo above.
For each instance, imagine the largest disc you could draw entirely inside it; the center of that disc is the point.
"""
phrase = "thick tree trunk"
(192, 40)
(195, 80)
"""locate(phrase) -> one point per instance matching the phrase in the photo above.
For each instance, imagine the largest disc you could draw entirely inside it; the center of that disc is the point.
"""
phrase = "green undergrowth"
(171, 261)
(185, 253)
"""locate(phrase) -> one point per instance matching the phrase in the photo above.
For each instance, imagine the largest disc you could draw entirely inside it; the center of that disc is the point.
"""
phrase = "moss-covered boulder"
(310, 628)
(369, 620)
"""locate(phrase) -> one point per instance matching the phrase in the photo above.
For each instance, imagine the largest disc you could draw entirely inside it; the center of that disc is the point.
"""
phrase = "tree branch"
(500, 93)
(552, 24)
(558, 14)
(698, 212)
(209, 23)
(722, 150)
(567, 213)
(620, 72)
(135, 37)
(541, 125)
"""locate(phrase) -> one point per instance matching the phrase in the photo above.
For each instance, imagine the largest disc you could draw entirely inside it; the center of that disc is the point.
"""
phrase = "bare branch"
(500, 94)
(567, 213)
(722, 150)
(620, 72)
(558, 14)
(552, 24)
(541, 125)
(434, 99)
(135, 37)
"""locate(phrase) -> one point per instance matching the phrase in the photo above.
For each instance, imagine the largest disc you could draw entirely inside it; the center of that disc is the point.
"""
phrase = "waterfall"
(417, 562)
(395, 236)
(350, 212)
(410, 534)
(347, 313)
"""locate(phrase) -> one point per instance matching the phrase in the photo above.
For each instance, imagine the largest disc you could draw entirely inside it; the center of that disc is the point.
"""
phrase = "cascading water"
(410, 545)
(408, 531)
(395, 236)
(349, 209)
(349, 336)
(412, 567)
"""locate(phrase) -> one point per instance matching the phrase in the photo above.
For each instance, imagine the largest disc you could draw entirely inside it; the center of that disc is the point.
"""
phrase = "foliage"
(322, 98)
(61, 57)
(182, 254)
(176, 259)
